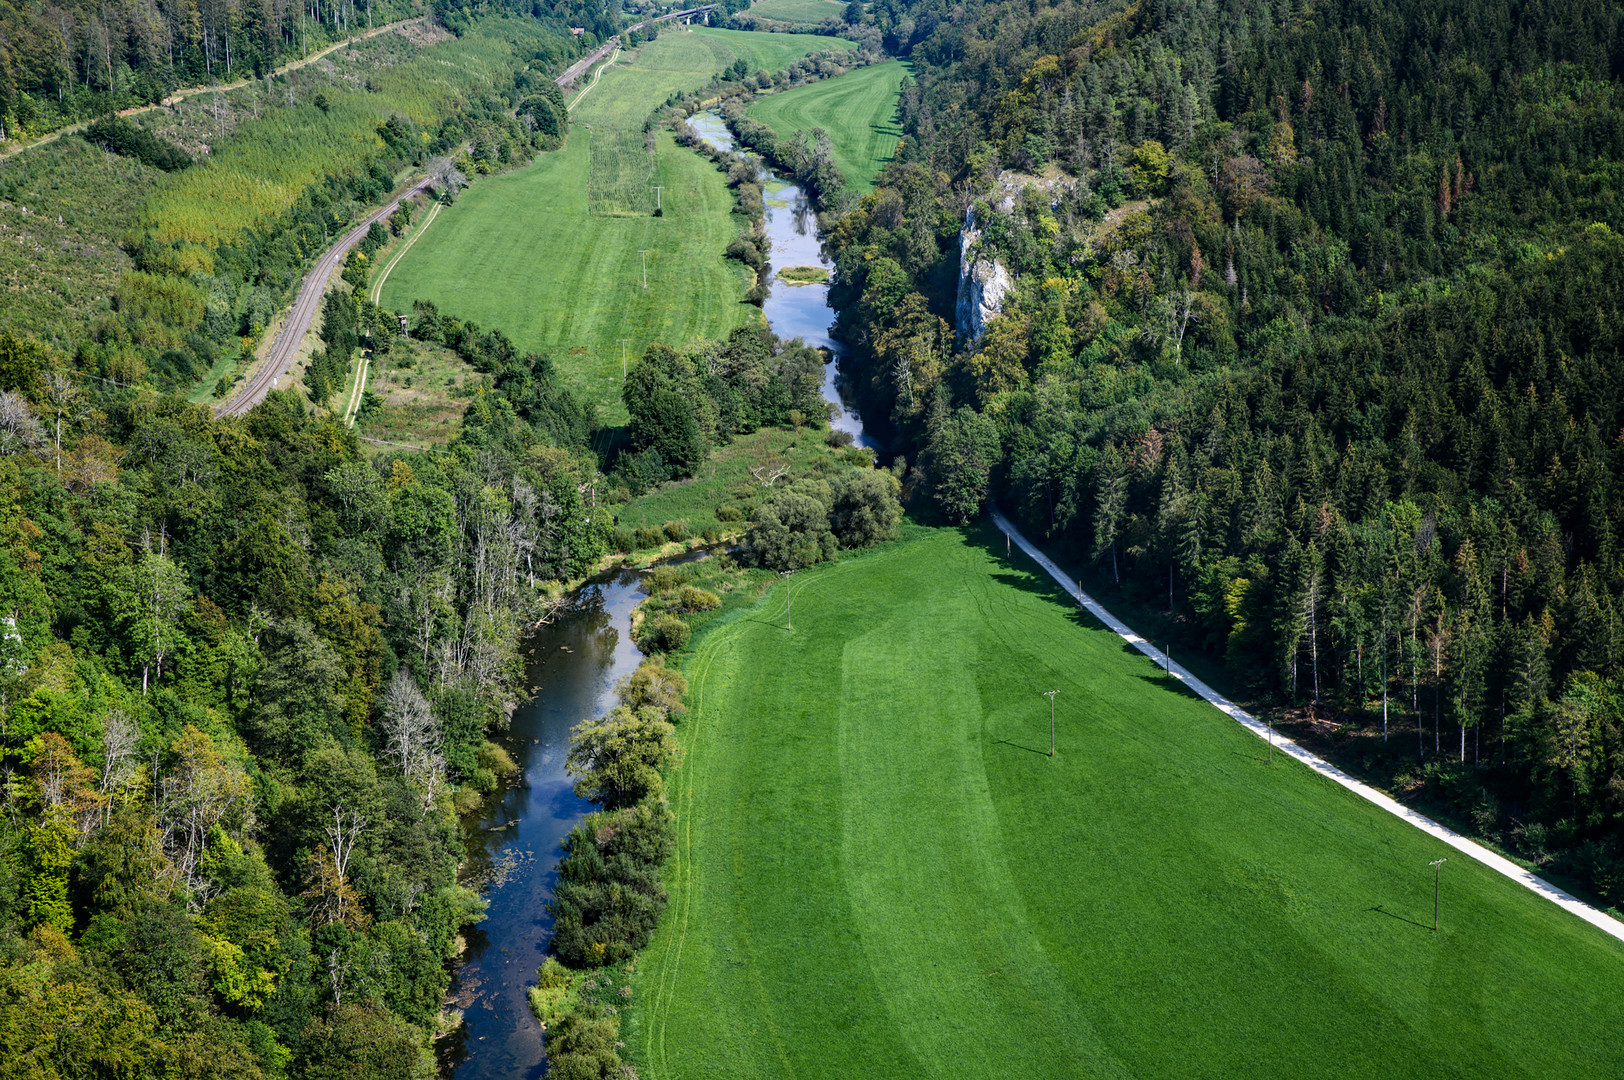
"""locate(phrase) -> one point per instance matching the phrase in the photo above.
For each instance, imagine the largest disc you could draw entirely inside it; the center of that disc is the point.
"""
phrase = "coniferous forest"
(1296, 322)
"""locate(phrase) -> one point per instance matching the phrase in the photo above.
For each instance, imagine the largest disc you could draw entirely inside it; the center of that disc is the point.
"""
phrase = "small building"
(403, 327)
(577, 30)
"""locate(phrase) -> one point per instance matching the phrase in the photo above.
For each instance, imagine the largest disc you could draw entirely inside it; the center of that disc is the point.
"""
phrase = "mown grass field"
(882, 873)
(857, 109)
(799, 11)
(550, 253)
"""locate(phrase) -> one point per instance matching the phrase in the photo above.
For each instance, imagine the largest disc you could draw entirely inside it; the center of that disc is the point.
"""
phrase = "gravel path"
(1498, 863)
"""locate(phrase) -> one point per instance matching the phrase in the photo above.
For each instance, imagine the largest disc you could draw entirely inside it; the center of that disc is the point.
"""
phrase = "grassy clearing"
(799, 11)
(857, 109)
(623, 158)
(765, 52)
(726, 480)
(425, 389)
(881, 872)
(521, 252)
(549, 254)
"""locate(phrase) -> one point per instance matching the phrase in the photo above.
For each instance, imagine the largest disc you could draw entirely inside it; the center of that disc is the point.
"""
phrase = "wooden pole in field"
(645, 255)
(1050, 695)
(659, 208)
(623, 342)
(1435, 864)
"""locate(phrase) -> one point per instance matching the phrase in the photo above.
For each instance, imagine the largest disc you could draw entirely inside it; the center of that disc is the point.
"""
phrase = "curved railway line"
(307, 302)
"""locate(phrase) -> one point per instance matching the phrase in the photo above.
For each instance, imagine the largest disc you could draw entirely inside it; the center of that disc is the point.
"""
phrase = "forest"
(248, 671)
(1295, 324)
(247, 678)
(62, 63)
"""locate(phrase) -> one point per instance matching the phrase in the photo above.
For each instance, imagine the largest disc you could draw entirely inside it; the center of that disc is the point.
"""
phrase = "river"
(574, 665)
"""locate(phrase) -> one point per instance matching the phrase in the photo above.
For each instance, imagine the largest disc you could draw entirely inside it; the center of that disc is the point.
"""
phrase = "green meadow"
(799, 11)
(881, 872)
(731, 478)
(553, 253)
(857, 109)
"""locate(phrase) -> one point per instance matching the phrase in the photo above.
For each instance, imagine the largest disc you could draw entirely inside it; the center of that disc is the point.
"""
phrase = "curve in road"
(1498, 863)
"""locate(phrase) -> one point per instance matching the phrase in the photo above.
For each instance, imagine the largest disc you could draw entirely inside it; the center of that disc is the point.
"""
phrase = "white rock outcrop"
(983, 283)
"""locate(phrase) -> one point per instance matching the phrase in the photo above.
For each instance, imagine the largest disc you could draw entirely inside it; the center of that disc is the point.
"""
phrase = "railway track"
(305, 306)
(308, 301)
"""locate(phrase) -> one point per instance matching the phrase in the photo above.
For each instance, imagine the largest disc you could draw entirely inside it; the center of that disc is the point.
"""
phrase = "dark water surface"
(575, 664)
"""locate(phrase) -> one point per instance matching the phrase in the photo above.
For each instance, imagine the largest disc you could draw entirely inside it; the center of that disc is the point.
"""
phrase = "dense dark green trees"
(1310, 342)
(683, 403)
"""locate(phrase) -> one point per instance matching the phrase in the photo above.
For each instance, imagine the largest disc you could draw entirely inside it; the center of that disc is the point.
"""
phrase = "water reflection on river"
(575, 663)
(794, 311)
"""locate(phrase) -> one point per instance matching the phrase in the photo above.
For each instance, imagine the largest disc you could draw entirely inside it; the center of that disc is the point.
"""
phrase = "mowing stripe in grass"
(857, 109)
(881, 872)
(1498, 863)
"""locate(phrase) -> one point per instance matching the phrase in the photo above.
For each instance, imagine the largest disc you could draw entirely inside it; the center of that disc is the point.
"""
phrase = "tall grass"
(621, 181)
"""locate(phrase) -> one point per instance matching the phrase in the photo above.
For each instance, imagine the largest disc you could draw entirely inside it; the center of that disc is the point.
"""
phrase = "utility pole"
(645, 255)
(659, 209)
(1435, 864)
(1050, 695)
(623, 342)
(785, 575)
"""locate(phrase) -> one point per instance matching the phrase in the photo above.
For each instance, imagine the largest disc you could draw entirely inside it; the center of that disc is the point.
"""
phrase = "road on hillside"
(314, 286)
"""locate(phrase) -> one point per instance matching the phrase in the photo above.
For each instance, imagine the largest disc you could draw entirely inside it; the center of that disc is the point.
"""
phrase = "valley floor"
(881, 872)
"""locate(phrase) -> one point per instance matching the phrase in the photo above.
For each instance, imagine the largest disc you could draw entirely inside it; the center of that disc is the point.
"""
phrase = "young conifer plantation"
(449, 628)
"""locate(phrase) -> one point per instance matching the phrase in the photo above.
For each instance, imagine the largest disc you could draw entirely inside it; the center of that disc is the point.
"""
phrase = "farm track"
(308, 300)
(383, 276)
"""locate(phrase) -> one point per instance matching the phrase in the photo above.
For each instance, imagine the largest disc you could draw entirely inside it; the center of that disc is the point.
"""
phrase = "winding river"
(513, 840)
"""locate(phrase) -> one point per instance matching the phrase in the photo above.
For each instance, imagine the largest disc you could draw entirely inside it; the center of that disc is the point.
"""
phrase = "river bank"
(574, 662)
